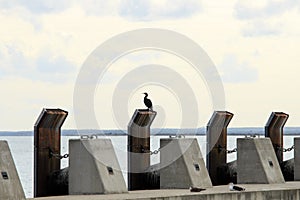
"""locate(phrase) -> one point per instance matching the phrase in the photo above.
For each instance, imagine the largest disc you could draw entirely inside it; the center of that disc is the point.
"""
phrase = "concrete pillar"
(10, 185)
(274, 130)
(46, 141)
(257, 162)
(216, 137)
(94, 168)
(139, 148)
(182, 164)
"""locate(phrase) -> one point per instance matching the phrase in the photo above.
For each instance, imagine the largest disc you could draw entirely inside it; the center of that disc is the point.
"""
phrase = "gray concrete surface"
(257, 162)
(297, 158)
(10, 185)
(94, 168)
(182, 164)
(287, 191)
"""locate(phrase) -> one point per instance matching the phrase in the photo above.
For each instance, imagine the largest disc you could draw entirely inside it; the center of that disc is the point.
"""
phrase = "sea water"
(22, 148)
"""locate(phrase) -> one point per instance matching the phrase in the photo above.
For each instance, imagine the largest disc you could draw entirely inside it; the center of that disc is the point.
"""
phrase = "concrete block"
(257, 162)
(10, 185)
(94, 168)
(182, 164)
(297, 158)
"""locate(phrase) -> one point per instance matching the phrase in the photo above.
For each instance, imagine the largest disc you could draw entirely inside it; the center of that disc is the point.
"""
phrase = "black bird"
(196, 189)
(147, 102)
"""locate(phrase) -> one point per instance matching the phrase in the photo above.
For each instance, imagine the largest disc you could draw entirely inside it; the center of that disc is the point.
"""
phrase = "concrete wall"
(10, 185)
(94, 168)
(182, 164)
(257, 162)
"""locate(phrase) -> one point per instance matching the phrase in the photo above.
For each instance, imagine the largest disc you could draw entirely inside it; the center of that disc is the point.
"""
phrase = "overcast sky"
(254, 44)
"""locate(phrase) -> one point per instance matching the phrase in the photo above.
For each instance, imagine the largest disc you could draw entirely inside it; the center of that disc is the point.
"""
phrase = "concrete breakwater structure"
(94, 171)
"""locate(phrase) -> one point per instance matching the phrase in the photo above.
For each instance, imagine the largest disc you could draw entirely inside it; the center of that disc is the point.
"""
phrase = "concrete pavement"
(289, 190)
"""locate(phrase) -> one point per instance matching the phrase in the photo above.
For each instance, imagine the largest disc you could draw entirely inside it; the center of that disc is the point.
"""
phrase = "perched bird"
(233, 187)
(147, 101)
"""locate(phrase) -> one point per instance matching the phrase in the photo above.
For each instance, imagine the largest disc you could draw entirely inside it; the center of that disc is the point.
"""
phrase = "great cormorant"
(147, 102)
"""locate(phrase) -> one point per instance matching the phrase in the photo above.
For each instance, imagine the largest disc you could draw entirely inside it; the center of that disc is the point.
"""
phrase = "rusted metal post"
(216, 137)
(139, 148)
(274, 130)
(46, 141)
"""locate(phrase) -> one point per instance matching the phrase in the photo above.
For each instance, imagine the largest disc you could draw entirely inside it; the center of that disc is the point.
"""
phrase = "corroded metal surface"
(216, 137)
(46, 139)
(274, 130)
(139, 148)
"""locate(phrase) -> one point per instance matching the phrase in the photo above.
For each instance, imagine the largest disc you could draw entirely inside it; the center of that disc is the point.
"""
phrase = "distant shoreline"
(163, 132)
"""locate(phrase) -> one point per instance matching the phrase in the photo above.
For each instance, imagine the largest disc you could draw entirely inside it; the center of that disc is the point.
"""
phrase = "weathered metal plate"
(139, 148)
(216, 137)
(274, 130)
(46, 137)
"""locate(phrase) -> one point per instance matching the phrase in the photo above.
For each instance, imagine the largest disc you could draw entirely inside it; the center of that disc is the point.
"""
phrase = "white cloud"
(262, 9)
(156, 10)
(264, 18)
(99, 7)
(233, 71)
(131, 9)
(36, 6)
(66, 37)
(44, 67)
(261, 28)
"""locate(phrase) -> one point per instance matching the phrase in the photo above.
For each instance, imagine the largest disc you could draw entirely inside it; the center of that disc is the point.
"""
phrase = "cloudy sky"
(255, 46)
